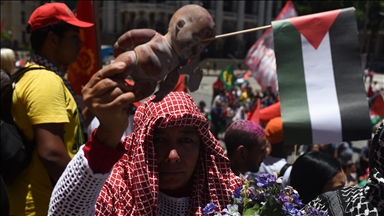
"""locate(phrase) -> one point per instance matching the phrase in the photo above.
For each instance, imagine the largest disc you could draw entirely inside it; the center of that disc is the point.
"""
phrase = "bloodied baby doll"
(157, 56)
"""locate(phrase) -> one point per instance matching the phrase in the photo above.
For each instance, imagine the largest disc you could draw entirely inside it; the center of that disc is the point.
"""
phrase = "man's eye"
(158, 139)
(186, 140)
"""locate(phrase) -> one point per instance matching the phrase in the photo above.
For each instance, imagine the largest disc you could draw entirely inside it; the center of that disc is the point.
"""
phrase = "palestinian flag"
(322, 94)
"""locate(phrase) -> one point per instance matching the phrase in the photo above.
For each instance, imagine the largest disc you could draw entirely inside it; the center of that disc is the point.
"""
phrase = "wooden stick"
(237, 32)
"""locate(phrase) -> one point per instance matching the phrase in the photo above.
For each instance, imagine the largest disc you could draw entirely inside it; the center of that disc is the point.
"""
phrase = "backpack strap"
(283, 169)
(7, 92)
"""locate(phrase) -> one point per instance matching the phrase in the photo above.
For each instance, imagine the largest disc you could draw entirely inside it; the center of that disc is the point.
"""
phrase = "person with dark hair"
(314, 173)
(367, 200)
(349, 168)
(45, 109)
(246, 146)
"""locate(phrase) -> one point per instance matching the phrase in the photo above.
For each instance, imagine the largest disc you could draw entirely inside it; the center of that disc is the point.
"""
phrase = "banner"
(227, 77)
(322, 95)
(88, 61)
(260, 58)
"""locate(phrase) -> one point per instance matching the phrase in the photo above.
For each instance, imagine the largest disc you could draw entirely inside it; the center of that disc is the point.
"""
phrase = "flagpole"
(97, 33)
(237, 33)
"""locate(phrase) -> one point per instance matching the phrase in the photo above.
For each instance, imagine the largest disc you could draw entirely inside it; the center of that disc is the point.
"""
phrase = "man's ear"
(52, 38)
(241, 154)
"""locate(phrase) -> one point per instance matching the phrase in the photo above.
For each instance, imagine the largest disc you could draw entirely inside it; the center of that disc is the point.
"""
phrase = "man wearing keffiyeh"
(170, 165)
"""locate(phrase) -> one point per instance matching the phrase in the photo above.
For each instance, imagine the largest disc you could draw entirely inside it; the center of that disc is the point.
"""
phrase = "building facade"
(117, 17)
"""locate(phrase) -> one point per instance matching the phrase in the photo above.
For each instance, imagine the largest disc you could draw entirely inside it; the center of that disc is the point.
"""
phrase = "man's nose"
(173, 156)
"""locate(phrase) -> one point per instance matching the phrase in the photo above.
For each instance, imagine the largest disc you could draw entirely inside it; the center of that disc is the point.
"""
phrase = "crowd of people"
(163, 157)
(235, 103)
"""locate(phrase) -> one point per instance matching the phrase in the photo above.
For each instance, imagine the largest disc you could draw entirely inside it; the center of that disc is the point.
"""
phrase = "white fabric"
(239, 114)
(172, 206)
(78, 176)
(95, 124)
(273, 165)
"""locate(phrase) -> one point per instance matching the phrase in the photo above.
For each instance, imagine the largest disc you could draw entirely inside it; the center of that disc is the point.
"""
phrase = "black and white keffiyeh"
(359, 201)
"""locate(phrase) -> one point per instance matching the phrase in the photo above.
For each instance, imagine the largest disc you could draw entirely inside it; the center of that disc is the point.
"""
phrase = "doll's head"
(188, 27)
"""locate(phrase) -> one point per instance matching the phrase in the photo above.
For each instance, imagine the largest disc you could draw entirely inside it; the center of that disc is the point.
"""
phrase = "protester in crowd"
(170, 165)
(246, 146)
(4, 77)
(343, 151)
(269, 97)
(349, 169)
(217, 87)
(203, 109)
(7, 61)
(367, 200)
(217, 118)
(44, 107)
(276, 161)
(364, 160)
(314, 173)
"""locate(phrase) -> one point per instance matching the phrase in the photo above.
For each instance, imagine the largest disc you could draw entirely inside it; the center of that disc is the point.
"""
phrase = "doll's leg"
(168, 85)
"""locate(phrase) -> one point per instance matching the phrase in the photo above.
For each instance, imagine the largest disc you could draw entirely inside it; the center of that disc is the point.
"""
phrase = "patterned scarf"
(49, 66)
(132, 188)
(364, 201)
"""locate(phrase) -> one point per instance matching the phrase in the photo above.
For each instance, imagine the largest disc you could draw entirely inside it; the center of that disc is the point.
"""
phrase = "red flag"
(260, 58)
(370, 91)
(378, 106)
(88, 61)
(180, 86)
(1, 26)
(254, 115)
(270, 112)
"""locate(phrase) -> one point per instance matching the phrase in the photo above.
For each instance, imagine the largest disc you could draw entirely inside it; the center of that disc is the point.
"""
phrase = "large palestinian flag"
(320, 80)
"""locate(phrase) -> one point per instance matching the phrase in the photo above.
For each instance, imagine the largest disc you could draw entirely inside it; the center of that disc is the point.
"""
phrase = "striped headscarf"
(132, 188)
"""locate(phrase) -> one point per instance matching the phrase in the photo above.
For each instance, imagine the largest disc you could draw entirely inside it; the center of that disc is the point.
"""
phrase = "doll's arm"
(132, 38)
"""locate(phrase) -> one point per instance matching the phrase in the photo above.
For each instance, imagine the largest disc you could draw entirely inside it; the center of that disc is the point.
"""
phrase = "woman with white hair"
(8, 60)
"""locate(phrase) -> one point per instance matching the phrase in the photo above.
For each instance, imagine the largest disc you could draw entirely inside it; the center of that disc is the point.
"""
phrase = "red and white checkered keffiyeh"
(132, 188)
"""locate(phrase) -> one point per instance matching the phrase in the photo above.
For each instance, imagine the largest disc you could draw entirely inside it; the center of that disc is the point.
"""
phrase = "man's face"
(69, 46)
(256, 156)
(177, 152)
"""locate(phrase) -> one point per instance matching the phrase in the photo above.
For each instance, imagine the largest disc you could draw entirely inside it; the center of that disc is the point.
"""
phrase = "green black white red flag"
(321, 89)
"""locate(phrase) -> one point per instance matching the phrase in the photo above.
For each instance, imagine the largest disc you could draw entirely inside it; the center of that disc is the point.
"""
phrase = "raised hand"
(108, 97)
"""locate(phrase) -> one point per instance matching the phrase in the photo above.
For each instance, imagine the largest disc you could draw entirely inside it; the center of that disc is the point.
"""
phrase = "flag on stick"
(260, 58)
(254, 115)
(88, 60)
(322, 96)
(377, 108)
(227, 77)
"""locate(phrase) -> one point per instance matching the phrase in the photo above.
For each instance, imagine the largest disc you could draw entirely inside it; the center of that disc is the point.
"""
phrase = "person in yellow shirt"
(45, 109)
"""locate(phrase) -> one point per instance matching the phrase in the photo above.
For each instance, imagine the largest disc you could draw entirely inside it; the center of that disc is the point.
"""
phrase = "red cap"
(52, 13)
(131, 83)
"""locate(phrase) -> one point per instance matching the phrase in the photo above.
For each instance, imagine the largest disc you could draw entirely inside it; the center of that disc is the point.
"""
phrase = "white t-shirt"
(95, 124)
(274, 165)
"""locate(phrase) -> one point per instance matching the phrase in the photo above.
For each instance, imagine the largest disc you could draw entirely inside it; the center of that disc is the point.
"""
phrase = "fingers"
(113, 69)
